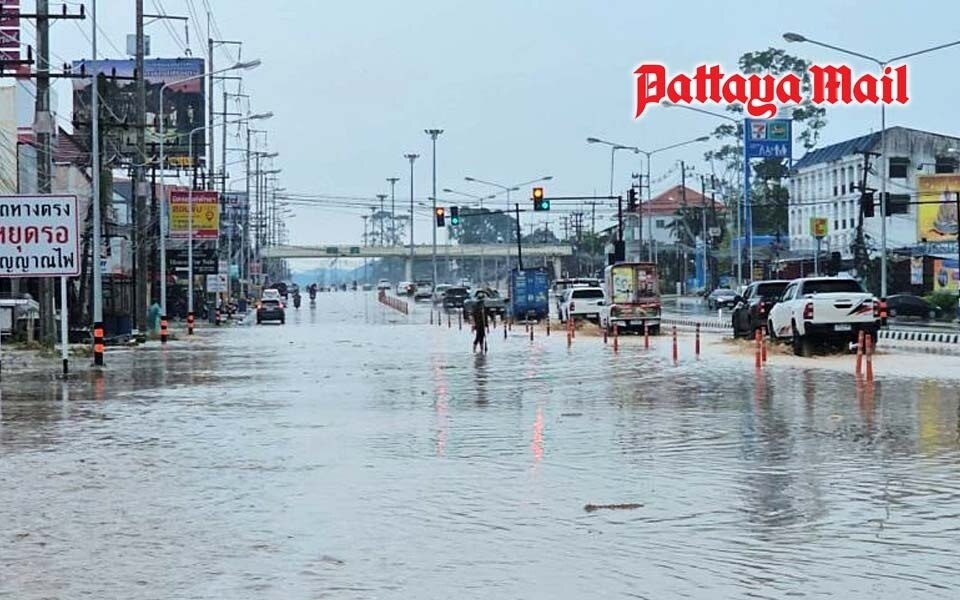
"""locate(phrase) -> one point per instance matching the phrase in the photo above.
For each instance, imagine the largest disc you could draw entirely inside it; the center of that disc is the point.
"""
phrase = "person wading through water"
(479, 318)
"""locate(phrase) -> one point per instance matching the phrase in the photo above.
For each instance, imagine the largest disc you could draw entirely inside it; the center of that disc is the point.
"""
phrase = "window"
(898, 168)
(899, 204)
(836, 225)
(945, 164)
(828, 286)
(661, 223)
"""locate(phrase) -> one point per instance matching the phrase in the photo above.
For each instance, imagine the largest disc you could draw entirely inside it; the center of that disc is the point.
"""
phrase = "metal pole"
(434, 133)
(382, 197)
(393, 209)
(883, 199)
(506, 260)
(613, 154)
(411, 158)
(211, 150)
(142, 236)
(649, 229)
(95, 194)
(519, 245)
(190, 241)
(163, 213)
(245, 274)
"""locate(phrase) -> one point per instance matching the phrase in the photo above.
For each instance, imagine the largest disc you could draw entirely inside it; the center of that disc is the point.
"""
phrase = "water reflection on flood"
(358, 453)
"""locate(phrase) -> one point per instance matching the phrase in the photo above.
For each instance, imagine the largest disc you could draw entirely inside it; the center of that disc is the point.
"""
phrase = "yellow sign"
(937, 211)
(818, 227)
(206, 214)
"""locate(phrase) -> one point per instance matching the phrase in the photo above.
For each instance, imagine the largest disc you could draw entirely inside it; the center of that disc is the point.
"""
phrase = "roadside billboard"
(183, 105)
(937, 211)
(206, 214)
(945, 275)
(39, 236)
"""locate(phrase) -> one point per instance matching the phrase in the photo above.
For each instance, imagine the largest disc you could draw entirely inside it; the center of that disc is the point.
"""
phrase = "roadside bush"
(946, 301)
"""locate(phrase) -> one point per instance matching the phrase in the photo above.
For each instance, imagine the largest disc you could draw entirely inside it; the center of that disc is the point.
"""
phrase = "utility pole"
(393, 209)
(95, 194)
(382, 197)
(141, 236)
(519, 244)
(434, 134)
(411, 157)
(211, 132)
(43, 126)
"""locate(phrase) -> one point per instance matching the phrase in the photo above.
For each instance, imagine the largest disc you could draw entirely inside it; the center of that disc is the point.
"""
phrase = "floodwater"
(359, 453)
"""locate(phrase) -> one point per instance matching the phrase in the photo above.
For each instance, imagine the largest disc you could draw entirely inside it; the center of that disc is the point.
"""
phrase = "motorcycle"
(296, 300)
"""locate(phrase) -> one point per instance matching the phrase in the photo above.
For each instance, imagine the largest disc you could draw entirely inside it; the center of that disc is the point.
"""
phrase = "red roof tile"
(672, 200)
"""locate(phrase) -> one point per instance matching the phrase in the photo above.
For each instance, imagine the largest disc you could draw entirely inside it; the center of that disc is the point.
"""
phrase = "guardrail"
(394, 303)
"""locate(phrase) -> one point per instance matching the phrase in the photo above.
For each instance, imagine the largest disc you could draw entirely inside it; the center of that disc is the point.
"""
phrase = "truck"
(815, 312)
(529, 294)
(632, 297)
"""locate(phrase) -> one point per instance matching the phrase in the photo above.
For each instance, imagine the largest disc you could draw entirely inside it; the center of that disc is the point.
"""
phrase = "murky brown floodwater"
(351, 455)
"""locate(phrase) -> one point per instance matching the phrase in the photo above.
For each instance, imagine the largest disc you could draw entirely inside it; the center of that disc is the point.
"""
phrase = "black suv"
(751, 309)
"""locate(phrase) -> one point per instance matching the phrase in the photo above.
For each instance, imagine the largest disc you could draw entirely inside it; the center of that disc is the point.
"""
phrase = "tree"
(768, 195)
(483, 226)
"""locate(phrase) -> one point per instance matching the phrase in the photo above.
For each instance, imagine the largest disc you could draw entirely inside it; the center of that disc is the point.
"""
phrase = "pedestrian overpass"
(536, 253)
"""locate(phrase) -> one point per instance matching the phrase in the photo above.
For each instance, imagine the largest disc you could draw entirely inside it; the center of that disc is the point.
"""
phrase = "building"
(824, 183)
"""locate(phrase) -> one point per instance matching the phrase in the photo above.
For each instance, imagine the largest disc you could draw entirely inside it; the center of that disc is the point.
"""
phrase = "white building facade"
(825, 183)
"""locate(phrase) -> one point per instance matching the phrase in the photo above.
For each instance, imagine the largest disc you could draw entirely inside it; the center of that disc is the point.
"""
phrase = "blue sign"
(768, 138)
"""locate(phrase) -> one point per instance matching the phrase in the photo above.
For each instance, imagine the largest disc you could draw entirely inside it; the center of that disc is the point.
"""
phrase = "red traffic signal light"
(440, 213)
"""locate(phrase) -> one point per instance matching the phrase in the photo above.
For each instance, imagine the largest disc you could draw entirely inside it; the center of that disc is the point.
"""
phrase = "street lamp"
(239, 66)
(163, 266)
(507, 189)
(412, 158)
(881, 63)
(434, 134)
(613, 153)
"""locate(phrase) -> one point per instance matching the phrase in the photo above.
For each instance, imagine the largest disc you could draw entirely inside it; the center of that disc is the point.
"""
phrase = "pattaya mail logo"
(761, 95)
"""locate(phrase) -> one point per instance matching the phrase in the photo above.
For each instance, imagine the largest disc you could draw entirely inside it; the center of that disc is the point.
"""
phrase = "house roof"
(672, 200)
(837, 151)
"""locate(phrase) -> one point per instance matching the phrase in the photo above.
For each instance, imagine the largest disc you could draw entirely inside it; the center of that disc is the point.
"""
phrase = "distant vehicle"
(367, 287)
(819, 311)
(405, 288)
(529, 291)
(271, 294)
(438, 292)
(633, 297)
(581, 302)
(271, 310)
(721, 298)
(465, 283)
(750, 312)
(454, 297)
(423, 290)
(908, 305)
(561, 285)
(493, 303)
(384, 284)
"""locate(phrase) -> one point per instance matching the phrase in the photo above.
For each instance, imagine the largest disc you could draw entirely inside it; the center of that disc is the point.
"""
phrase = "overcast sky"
(517, 86)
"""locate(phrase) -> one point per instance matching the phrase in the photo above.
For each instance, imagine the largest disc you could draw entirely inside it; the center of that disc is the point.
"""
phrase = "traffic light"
(539, 202)
(632, 204)
(454, 215)
(440, 214)
(866, 204)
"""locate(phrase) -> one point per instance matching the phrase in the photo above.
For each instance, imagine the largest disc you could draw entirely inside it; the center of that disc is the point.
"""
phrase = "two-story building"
(825, 183)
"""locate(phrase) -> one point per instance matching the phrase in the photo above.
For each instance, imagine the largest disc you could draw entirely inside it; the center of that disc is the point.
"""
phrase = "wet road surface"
(359, 453)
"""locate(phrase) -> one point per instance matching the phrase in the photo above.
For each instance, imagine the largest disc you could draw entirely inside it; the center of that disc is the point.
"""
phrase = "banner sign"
(916, 270)
(818, 227)
(217, 283)
(206, 261)
(937, 211)
(945, 275)
(768, 138)
(183, 105)
(206, 214)
(39, 236)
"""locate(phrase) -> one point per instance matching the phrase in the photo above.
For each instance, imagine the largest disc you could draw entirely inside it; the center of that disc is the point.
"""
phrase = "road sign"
(39, 236)
(216, 283)
(714, 232)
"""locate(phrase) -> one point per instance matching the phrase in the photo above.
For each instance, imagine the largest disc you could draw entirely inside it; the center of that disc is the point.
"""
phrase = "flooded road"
(359, 453)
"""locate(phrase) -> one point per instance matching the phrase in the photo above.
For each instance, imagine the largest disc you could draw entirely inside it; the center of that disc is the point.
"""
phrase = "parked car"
(908, 305)
(384, 284)
(721, 298)
(562, 285)
(405, 288)
(820, 311)
(492, 301)
(750, 312)
(271, 309)
(581, 302)
(438, 292)
(454, 297)
(423, 290)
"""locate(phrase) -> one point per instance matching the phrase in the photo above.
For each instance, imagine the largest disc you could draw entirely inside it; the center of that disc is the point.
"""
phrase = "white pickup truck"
(818, 311)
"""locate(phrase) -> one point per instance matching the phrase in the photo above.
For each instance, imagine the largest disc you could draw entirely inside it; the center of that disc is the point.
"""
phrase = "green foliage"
(945, 300)
(483, 226)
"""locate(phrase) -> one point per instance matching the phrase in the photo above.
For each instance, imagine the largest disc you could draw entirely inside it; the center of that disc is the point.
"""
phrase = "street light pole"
(434, 134)
(411, 157)
(393, 209)
(882, 64)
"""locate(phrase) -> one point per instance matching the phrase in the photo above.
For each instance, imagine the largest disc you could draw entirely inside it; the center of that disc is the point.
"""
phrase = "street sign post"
(40, 237)
(762, 138)
(819, 228)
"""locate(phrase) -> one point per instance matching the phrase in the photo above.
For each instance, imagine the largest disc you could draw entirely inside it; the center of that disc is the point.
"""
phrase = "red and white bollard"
(616, 338)
(757, 359)
(676, 355)
(696, 343)
(646, 335)
(869, 352)
(860, 342)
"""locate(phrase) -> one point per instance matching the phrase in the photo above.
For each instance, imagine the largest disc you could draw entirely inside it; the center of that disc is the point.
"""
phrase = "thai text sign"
(39, 236)
(769, 138)
(206, 214)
